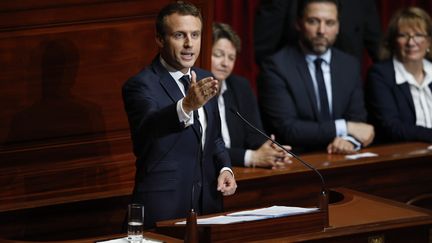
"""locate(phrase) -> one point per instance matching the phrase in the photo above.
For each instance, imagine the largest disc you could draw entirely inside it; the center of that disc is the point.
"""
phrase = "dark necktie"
(324, 104)
(197, 186)
(186, 82)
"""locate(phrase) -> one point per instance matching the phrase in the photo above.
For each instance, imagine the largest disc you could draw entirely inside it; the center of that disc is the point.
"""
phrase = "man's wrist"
(227, 169)
(355, 142)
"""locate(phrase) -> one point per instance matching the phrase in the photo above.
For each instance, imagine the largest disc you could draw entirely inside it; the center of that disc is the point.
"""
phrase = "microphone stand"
(191, 232)
(324, 194)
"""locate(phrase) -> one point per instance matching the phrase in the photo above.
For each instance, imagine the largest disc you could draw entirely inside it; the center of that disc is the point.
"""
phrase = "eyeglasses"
(417, 37)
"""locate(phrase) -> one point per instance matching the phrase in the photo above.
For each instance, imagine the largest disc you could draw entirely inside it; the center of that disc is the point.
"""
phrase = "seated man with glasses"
(399, 90)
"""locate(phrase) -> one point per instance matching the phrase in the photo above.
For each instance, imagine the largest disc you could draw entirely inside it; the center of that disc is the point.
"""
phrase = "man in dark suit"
(311, 94)
(275, 23)
(181, 161)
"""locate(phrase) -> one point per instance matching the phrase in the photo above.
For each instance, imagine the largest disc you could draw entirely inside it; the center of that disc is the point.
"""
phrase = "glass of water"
(135, 223)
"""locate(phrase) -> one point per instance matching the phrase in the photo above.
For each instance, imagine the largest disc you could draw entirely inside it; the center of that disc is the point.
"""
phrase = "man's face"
(318, 27)
(181, 44)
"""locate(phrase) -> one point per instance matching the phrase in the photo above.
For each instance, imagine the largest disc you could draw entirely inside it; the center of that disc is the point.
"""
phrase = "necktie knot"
(318, 62)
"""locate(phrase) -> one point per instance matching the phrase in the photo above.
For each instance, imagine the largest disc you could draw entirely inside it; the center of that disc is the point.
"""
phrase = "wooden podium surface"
(364, 218)
(400, 172)
(358, 217)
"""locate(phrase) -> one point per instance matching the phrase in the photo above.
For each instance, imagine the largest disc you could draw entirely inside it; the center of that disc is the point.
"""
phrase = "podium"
(299, 223)
(354, 217)
(250, 230)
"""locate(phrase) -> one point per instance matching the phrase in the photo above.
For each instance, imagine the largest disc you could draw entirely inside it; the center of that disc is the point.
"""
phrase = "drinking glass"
(135, 223)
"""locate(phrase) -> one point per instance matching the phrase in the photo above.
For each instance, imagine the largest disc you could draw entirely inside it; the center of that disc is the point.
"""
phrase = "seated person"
(246, 146)
(399, 89)
(311, 94)
(274, 27)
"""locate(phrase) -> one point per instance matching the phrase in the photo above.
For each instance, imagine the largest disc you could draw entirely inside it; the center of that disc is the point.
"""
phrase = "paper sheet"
(252, 215)
(361, 155)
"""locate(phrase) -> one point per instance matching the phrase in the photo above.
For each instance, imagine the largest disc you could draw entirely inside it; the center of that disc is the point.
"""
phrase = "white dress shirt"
(421, 93)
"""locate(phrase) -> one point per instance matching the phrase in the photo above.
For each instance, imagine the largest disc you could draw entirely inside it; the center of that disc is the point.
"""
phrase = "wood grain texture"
(400, 172)
(64, 137)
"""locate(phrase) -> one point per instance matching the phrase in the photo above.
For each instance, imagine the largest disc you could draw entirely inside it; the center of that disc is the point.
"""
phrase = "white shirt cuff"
(357, 144)
(341, 128)
(228, 169)
(248, 158)
(186, 119)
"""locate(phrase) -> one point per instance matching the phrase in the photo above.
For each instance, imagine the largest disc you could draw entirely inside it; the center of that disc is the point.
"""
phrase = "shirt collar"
(223, 88)
(176, 74)
(427, 68)
(310, 58)
(403, 76)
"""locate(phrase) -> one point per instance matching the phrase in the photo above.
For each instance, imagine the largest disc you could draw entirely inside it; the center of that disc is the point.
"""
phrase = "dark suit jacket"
(239, 96)
(288, 103)
(391, 106)
(168, 164)
(275, 27)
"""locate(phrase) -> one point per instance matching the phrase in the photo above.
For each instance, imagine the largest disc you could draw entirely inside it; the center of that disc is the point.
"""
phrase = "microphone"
(323, 204)
(191, 231)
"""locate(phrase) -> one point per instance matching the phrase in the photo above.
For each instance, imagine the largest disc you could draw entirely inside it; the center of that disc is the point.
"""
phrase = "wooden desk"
(365, 218)
(357, 217)
(400, 172)
(149, 235)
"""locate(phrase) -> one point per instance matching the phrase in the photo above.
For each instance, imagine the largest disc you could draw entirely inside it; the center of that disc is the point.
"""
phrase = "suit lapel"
(304, 74)
(405, 90)
(337, 84)
(167, 82)
(209, 117)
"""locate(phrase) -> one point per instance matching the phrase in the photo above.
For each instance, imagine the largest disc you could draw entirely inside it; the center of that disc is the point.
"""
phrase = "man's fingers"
(193, 78)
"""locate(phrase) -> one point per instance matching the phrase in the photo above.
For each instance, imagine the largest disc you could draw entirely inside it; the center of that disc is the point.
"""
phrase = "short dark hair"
(412, 16)
(302, 4)
(180, 7)
(221, 30)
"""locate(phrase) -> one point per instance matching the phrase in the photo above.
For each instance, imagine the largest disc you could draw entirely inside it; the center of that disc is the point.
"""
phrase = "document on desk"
(253, 215)
(361, 155)
(273, 211)
(125, 240)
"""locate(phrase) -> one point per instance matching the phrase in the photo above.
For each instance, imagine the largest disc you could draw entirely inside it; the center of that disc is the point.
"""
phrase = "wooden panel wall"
(64, 135)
